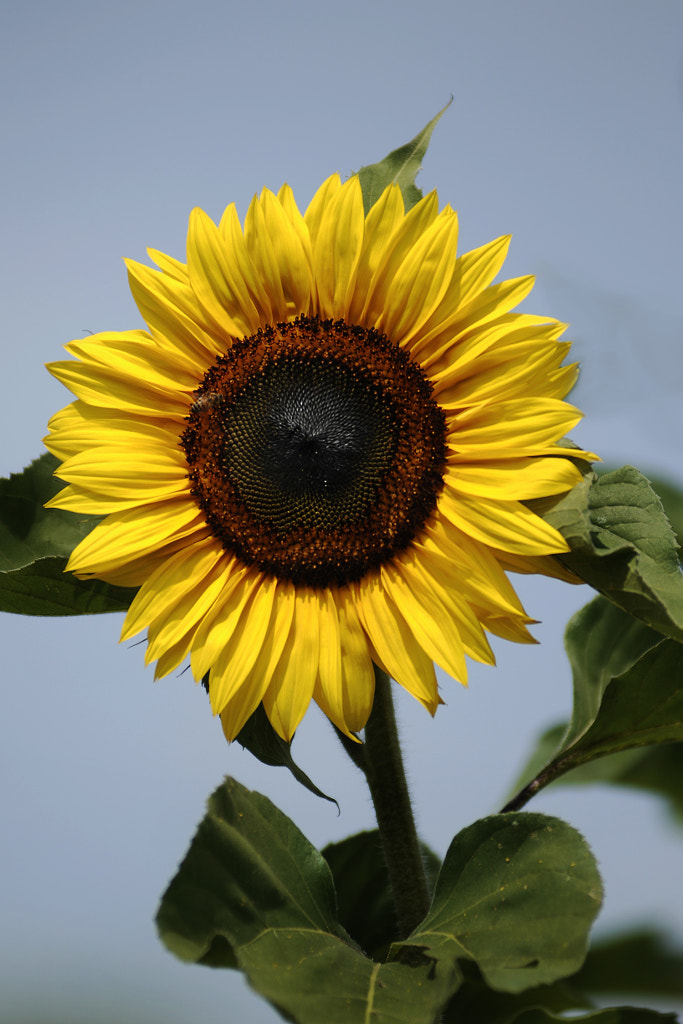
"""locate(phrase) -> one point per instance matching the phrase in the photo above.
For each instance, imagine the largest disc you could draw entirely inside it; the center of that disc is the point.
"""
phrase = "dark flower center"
(315, 450)
(307, 443)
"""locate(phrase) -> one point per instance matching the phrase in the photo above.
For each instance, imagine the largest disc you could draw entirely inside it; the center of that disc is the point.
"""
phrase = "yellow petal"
(397, 649)
(177, 597)
(508, 525)
(513, 478)
(421, 281)
(216, 279)
(291, 687)
(290, 258)
(277, 640)
(382, 220)
(514, 424)
(80, 426)
(140, 474)
(453, 555)
(291, 211)
(345, 686)
(337, 248)
(218, 624)
(237, 256)
(242, 643)
(175, 317)
(476, 269)
(318, 204)
(115, 391)
(441, 598)
(433, 627)
(404, 237)
(134, 533)
(171, 267)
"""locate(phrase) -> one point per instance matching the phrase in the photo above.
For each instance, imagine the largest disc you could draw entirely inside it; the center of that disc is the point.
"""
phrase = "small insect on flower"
(208, 400)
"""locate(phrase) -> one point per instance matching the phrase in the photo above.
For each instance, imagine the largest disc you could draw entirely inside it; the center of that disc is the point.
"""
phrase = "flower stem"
(383, 767)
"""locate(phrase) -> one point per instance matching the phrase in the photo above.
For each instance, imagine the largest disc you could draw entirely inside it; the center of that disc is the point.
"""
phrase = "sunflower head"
(317, 456)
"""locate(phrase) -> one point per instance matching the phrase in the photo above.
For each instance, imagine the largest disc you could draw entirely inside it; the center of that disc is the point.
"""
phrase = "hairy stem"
(383, 766)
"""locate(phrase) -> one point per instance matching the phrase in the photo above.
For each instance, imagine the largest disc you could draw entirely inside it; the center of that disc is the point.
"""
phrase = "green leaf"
(517, 895)
(623, 546)
(643, 705)
(657, 769)
(643, 963)
(261, 740)
(623, 699)
(254, 893)
(365, 903)
(400, 166)
(35, 544)
(601, 641)
(43, 588)
(671, 498)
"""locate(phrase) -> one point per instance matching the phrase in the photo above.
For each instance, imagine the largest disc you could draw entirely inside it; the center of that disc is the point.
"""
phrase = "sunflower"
(317, 457)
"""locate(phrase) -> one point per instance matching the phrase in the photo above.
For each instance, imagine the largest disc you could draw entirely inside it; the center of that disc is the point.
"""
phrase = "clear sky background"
(565, 130)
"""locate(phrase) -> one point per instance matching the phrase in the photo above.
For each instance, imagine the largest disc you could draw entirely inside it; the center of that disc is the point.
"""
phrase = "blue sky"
(565, 130)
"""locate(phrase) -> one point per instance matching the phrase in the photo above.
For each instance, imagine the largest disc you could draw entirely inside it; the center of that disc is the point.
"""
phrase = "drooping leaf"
(622, 545)
(516, 894)
(643, 705)
(657, 769)
(400, 166)
(601, 642)
(623, 699)
(261, 740)
(35, 544)
(253, 893)
(364, 899)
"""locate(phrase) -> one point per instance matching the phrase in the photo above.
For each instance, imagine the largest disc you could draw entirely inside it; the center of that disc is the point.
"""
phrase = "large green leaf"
(623, 545)
(517, 894)
(365, 903)
(35, 544)
(400, 166)
(628, 693)
(253, 893)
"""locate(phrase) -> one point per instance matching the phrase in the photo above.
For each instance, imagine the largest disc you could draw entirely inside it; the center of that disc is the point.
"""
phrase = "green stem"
(383, 767)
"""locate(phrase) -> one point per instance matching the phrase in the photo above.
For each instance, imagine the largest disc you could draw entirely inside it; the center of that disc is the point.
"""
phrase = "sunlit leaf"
(400, 166)
(622, 545)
